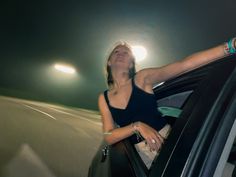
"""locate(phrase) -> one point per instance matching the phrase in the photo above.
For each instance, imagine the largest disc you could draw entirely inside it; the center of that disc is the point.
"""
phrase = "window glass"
(172, 105)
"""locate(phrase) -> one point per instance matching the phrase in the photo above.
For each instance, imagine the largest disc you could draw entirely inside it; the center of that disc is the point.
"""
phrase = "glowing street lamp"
(65, 68)
(139, 52)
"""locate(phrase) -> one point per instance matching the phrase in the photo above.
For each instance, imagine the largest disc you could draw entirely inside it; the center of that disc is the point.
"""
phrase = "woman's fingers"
(155, 143)
(160, 138)
(152, 145)
(159, 141)
(152, 137)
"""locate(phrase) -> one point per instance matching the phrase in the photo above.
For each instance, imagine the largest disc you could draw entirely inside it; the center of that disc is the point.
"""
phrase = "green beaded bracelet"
(231, 46)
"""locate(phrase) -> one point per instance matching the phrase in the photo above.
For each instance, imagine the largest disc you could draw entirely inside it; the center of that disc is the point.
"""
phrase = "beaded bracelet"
(229, 47)
(135, 131)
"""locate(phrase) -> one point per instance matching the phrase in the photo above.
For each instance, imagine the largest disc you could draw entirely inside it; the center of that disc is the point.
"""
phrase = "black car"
(201, 107)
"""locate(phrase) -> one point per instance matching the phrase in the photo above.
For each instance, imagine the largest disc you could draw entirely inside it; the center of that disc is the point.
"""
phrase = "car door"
(197, 140)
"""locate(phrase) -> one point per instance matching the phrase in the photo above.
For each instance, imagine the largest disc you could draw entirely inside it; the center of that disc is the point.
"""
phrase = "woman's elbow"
(111, 139)
(108, 140)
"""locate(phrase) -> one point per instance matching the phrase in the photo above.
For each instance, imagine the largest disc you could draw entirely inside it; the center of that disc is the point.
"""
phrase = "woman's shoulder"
(140, 80)
(103, 102)
(101, 99)
(102, 94)
(139, 77)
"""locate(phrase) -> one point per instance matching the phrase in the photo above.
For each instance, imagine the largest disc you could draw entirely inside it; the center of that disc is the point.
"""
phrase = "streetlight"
(65, 68)
(139, 52)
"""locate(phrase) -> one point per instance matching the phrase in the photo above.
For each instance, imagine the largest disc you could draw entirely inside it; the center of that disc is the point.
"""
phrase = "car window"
(172, 105)
(191, 101)
(173, 101)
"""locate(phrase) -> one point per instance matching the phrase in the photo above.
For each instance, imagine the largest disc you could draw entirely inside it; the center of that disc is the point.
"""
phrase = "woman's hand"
(152, 137)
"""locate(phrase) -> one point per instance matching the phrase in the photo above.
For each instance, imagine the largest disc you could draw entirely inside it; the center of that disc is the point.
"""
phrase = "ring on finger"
(153, 141)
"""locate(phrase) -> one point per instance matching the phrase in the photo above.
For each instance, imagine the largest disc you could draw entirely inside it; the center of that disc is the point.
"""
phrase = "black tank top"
(142, 106)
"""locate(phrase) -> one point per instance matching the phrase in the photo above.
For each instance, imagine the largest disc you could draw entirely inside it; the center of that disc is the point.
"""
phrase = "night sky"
(35, 35)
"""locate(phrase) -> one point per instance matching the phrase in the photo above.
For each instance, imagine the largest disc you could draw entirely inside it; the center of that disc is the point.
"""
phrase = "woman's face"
(121, 56)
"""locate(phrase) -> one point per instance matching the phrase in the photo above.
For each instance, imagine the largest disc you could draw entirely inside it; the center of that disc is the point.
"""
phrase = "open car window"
(191, 99)
(175, 98)
(172, 105)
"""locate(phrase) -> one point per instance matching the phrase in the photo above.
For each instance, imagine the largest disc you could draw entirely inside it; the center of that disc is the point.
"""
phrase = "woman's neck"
(120, 79)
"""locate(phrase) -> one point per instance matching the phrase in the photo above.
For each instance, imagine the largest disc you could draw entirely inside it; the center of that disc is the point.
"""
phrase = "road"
(46, 140)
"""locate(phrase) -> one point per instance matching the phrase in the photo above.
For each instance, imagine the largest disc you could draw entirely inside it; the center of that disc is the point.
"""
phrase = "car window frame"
(160, 171)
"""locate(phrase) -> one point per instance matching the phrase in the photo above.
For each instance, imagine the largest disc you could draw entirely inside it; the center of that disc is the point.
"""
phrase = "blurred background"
(36, 36)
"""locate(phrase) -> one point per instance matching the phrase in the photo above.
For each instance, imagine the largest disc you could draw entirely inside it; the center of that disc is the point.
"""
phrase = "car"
(200, 105)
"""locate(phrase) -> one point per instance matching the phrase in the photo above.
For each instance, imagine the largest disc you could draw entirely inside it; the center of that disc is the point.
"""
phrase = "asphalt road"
(46, 140)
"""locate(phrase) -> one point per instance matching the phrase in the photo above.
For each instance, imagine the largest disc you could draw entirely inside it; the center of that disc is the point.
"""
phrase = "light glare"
(139, 52)
(64, 68)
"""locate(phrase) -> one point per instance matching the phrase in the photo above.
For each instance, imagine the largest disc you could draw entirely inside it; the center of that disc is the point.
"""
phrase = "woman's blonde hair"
(132, 70)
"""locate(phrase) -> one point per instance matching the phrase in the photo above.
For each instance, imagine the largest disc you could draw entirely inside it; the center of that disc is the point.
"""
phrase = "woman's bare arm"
(111, 133)
(151, 76)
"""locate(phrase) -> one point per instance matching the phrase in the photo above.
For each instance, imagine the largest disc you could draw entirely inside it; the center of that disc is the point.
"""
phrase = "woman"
(128, 107)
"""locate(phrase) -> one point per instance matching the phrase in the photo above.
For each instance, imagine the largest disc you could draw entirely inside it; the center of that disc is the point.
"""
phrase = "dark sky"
(36, 34)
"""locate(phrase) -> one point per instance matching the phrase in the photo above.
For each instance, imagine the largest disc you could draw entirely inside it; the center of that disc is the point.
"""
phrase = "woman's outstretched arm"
(151, 76)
